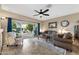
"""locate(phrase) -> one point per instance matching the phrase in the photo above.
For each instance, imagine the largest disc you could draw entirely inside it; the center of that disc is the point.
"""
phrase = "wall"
(4, 13)
(73, 18)
(4, 27)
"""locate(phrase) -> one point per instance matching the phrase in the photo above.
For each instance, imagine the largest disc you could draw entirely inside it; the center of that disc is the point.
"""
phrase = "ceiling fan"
(41, 12)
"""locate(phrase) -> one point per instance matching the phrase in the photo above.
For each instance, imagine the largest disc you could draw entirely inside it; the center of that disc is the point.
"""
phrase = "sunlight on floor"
(26, 43)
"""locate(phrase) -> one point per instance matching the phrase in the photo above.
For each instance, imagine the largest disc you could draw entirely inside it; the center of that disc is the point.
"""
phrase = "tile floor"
(33, 46)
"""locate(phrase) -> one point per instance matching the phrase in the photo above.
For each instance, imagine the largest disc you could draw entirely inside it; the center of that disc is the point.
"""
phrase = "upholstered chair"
(11, 38)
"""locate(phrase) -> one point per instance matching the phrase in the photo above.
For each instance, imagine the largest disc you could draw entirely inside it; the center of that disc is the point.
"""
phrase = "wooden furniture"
(44, 35)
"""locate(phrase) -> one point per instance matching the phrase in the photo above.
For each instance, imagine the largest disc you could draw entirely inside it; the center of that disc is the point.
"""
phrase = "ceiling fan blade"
(46, 10)
(36, 15)
(46, 14)
(36, 11)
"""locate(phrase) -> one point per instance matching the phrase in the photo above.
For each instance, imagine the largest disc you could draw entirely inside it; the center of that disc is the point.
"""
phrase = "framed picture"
(52, 25)
(64, 23)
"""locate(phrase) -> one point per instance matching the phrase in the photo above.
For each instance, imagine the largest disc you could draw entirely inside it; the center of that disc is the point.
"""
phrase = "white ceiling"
(56, 10)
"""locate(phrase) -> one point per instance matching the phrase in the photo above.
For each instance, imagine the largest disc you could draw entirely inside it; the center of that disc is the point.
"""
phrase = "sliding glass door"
(36, 29)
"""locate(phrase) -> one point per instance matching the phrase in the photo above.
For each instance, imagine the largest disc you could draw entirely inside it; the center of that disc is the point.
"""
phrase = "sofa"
(61, 40)
(65, 42)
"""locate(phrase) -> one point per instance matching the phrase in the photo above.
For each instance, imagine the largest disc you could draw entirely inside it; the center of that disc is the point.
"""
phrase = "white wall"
(71, 18)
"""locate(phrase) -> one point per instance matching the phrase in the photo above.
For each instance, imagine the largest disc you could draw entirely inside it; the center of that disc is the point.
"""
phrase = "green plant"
(14, 25)
(29, 27)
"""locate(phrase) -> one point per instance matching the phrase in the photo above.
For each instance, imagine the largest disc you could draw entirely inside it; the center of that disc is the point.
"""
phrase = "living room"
(55, 30)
